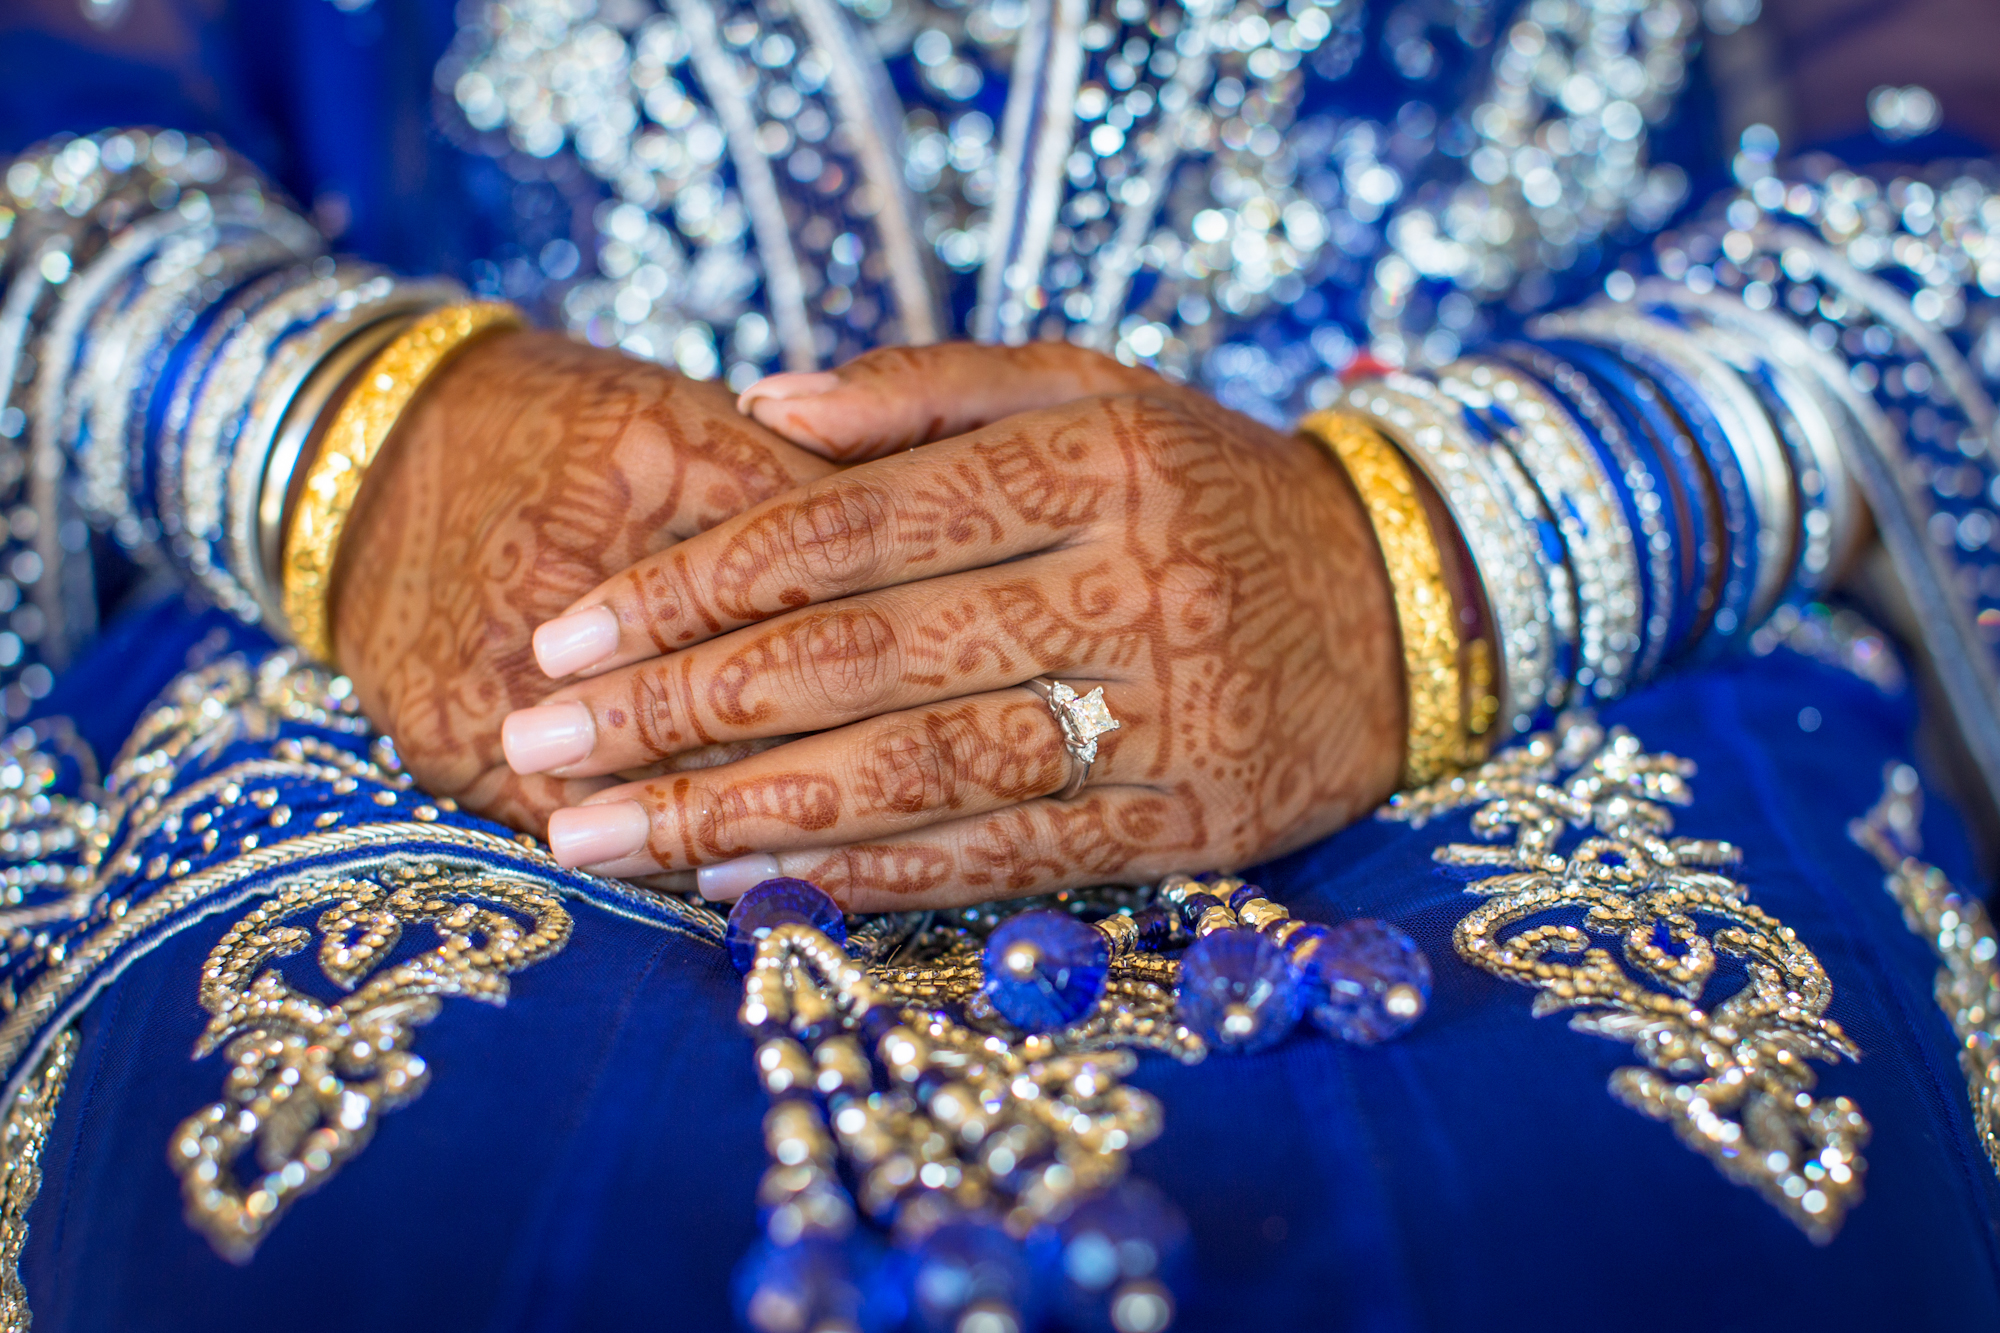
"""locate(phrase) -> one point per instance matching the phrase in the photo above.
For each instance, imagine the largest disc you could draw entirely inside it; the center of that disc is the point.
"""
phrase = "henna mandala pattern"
(1733, 1076)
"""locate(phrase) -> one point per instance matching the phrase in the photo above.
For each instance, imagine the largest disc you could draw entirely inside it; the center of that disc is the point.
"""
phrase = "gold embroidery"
(26, 1130)
(308, 1079)
(1959, 932)
(199, 714)
(1732, 1078)
(1021, 1127)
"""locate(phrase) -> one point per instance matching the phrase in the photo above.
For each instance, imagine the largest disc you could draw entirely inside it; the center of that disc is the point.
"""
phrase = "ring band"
(1082, 718)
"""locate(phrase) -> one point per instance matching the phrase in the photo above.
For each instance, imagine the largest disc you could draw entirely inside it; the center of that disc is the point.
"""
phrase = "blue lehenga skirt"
(564, 1132)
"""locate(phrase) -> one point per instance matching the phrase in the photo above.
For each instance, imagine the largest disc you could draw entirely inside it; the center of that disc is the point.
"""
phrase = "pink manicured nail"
(568, 644)
(789, 384)
(591, 835)
(547, 736)
(727, 881)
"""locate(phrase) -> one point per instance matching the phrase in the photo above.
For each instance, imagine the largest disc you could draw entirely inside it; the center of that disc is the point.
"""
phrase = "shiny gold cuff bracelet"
(360, 426)
(1425, 612)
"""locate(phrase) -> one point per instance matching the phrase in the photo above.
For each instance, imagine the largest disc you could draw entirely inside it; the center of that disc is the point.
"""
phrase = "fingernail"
(787, 384)
(592, 835)
(568, 644)
(547, 736)
(726, 881)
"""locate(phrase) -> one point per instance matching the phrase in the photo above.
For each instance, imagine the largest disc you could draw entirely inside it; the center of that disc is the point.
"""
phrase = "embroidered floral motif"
(1960, 933)
(25, 1130)
(1732, 1075)
(309, 1080)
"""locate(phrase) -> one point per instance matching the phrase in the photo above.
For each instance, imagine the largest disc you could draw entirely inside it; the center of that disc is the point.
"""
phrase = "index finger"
(1027, 484)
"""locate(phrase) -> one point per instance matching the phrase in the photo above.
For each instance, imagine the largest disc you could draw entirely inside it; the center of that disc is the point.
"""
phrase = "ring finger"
(826, 666)
(883, 777)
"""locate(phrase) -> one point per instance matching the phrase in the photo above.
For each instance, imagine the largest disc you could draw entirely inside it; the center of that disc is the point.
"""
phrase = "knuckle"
(846, 660)
(651, 719)
(840, 533)
(911, 772)
(1195, 598)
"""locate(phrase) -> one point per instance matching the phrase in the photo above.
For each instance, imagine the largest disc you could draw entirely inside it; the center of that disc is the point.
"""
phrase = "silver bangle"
(1762, 547)
(1578, 493)
(257, 528)
(1831, 511)
(1654, 541)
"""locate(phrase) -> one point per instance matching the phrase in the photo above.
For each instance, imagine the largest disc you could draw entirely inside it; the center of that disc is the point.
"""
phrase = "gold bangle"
(1425, 613)
(360, 427)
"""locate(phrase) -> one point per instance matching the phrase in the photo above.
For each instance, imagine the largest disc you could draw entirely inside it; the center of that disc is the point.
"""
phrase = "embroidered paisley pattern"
(1732, 1075)
(309, 1080)
(1959, 932)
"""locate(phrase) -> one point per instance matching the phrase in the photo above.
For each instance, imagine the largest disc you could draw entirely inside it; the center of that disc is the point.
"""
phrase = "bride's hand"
(1216, 577)
(530, 471)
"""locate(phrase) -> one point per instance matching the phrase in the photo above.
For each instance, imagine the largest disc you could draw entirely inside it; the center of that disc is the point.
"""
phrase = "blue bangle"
(1640, 492)
(1624, 331)
(1698, 531)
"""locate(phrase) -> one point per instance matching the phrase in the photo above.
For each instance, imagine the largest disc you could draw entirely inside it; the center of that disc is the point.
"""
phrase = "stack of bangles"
(1634, 484)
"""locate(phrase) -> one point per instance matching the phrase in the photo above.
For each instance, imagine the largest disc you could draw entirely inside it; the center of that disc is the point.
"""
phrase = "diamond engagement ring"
(1083, 718)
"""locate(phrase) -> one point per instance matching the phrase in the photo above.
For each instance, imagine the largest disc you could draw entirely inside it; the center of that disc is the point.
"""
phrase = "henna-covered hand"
(1216, 577)
(529, 471)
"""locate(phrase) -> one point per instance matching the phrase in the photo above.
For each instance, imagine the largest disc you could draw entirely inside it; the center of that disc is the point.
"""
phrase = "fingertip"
(575, 642)
(600, 837)
(726, 881)
(786, 385)
(547, 737)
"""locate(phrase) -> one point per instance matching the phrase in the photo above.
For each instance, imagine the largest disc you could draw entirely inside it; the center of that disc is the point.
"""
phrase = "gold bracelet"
(360, 427)
(1425, 612)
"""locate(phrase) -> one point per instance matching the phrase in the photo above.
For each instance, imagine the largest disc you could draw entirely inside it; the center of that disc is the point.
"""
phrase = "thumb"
(894, 398)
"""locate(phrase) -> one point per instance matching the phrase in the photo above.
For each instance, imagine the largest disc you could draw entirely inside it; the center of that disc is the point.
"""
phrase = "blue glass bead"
(1119, 1261)
(1045, 970)
(1366, 982)
(1238, 992)
(1243, 894)
(809, 1284)
(1159, 927)
(1297, 943)
(964, 1270)
(779, 902)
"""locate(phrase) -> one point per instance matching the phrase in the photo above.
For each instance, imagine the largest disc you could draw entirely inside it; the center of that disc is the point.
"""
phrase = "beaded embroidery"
(1733, 1077)
(25, 1131)
(1960, 933)
(308, 1081)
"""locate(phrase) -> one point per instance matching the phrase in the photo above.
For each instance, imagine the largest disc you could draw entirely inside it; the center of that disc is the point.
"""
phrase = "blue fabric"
(587, 1157)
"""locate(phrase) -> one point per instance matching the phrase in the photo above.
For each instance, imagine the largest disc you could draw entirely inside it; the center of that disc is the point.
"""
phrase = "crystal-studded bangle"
(1579, 495)
(1706, 399)
(1505, 550)
(1699, 526)
(360, 427)
(1641, 493)
(1425, 614)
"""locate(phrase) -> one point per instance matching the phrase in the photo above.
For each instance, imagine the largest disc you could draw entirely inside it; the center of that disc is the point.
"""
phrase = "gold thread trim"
(1959, 931)
(360, 427)
(1425, 614)
(22, 1137)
